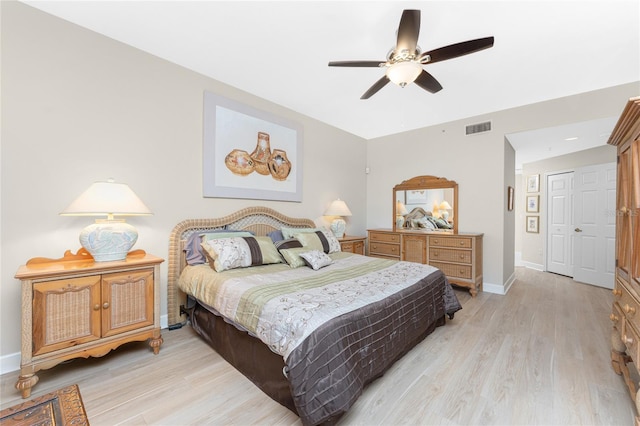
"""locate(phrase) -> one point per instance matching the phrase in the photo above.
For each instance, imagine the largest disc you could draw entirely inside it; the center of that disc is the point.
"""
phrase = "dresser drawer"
(384, 249)
(631, 339)
(384, 237)
(461, 242)
(454, 271)
(450, 255)
(628, 304)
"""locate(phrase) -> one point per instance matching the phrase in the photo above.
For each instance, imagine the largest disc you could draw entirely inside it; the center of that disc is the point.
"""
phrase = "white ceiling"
(279, 50)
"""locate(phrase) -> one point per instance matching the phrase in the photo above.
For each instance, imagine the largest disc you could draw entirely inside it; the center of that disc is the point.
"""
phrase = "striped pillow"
(240, 252)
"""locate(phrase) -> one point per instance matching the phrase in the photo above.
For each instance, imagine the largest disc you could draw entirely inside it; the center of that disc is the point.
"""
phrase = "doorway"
(580, 237)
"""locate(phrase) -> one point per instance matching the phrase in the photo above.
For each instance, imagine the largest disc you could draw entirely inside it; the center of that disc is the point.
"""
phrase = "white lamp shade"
(445, 206)
(108, 240)
(401, 210)
(107, 199)
(338, 208)
(403, 73)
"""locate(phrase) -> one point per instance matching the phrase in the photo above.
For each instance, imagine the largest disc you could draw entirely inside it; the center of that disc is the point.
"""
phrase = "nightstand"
(352, 244)
(75, 307)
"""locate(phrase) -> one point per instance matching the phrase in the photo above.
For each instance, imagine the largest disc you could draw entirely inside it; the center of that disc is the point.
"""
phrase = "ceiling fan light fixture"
(403, 73)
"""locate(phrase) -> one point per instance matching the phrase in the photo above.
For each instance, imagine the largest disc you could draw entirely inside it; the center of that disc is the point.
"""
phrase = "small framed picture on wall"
(533, 224)
(533, 183)
(533, 203)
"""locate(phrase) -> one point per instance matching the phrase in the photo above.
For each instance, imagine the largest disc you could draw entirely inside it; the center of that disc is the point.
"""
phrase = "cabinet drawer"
(631, 338)
(384, 237)
(348, 247)
(628, 304)
(454, 271)
(384, 249)
(461, 242)
(450, 255)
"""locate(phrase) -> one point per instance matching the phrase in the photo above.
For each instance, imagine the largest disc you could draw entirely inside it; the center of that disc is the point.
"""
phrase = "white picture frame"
(533, 224)
(533, 203)
(533, 183)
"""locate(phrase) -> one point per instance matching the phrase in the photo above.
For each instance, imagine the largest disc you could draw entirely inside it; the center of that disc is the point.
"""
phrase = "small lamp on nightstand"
(401, 212)
(444, 210)
(338, 208)
(108, 239)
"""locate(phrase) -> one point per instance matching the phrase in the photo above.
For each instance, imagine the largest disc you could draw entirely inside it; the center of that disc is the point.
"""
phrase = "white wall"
(78, 107)
(480, 164)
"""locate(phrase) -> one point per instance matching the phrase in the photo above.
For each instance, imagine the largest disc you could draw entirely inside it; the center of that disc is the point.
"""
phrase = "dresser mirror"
(426, 203)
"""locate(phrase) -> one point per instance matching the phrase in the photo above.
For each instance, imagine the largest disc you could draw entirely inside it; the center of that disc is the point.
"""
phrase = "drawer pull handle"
(435, 254)
(627, 340)
(617, 292)
(461, 243)
(96, 307)
(105, 305)
(613, 317)
(462, 256)
(435, 241)
(629, 309)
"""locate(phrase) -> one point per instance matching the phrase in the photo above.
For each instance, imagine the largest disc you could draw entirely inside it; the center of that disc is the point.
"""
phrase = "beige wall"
(78, 107)
(480, 164)
(533, 244)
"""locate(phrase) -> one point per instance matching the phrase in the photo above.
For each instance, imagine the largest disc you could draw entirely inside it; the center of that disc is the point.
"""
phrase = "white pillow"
(316, 259)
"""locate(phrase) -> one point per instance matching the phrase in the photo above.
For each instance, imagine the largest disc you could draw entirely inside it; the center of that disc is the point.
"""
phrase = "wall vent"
(472, 129)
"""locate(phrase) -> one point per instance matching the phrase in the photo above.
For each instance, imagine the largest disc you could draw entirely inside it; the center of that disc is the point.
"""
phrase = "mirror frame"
(427, 182)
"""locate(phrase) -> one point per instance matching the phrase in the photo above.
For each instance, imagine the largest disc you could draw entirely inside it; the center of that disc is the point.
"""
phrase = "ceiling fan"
(404, 62)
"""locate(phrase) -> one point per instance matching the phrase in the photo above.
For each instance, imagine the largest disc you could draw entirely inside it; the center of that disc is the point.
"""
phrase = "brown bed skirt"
(254, 359)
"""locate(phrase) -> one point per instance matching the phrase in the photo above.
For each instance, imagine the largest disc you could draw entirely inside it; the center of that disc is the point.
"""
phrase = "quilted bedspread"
(337, 328)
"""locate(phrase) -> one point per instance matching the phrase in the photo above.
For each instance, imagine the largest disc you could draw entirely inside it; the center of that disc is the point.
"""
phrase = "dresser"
(459, 256)
(625, 315)
(74, 307)
(352, 244)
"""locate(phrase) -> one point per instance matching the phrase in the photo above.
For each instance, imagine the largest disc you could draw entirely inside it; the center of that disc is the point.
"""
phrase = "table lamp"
(444, 210)
(108, 239)
(401, 211)
(338, 208)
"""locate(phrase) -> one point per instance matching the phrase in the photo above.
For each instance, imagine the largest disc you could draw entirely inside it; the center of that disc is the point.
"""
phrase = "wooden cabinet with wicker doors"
(74, 307)
(352, 244)
(625, 339)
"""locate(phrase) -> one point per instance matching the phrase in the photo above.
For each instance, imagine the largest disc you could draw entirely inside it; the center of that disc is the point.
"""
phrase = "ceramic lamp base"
(337, 227)
(108, 240)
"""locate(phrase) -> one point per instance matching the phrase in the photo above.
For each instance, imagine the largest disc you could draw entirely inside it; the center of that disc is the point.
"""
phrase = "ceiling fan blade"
(376, 86)
(458, 49)
(375, 64)
(428, 82)
(408, 31)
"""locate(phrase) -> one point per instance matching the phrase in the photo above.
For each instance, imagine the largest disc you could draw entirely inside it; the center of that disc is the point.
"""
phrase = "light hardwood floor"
(538, 356)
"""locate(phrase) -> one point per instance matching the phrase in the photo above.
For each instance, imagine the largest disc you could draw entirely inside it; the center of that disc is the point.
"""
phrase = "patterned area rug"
(62, 407)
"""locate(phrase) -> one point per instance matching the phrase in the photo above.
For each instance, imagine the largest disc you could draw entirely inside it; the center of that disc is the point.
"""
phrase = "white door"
(595, 225)
(560, 223)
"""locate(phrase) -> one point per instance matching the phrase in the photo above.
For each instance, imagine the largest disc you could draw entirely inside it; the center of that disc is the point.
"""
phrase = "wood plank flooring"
(537, 356)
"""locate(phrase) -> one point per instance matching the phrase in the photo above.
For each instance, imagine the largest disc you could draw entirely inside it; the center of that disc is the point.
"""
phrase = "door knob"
(578, 230)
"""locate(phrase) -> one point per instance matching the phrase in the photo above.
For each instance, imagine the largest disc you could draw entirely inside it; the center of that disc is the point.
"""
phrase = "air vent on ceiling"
(472, 129)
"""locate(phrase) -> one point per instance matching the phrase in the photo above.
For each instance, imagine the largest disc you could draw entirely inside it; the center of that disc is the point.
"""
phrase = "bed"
(311, 337)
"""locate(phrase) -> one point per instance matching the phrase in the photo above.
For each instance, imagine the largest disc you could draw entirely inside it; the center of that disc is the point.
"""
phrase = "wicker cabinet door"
(414, 248)
(65, 313)
(127, 301)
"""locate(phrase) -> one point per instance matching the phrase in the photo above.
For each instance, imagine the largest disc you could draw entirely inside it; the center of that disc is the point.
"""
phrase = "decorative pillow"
(292, 256)
(276, 235)
(287, 244)
(240, 252)
(322, 240)
(441, 223)
(316, 259)
(290, 232)
(194, 255)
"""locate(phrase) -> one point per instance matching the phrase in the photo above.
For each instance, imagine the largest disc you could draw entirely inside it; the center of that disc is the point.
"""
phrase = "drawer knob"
(629, 309)
(435, 254)
(462, 256)
(435, 241)
(96, 307)
(461, 243)
(613, 317)
(617, 292)
(105, 305)
(627, 340)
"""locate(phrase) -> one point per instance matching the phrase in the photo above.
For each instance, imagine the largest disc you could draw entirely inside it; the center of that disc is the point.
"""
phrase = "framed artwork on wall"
(533, 203)
(533, 183)
(249, 153)
(533, 224)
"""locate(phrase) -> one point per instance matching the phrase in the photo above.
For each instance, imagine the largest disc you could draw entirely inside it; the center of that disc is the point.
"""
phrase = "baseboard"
(517, 261)
(10, 363)
(532, 265)
(494, 288)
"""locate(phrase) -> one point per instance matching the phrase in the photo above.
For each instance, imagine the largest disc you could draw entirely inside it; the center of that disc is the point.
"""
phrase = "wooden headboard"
(259, 220)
